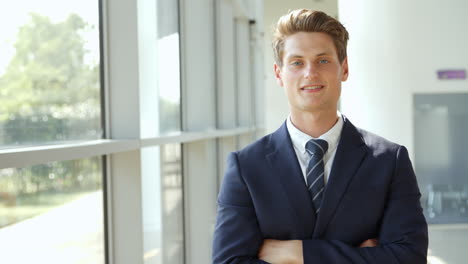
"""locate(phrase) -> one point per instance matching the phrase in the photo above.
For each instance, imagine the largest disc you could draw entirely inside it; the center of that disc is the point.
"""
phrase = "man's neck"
(314, 124)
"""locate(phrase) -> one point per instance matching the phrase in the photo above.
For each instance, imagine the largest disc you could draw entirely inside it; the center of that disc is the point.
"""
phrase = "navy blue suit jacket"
(371, 193)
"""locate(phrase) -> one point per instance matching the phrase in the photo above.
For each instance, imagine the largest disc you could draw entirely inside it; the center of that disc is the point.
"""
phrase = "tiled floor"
(55, 238)
(447, 243)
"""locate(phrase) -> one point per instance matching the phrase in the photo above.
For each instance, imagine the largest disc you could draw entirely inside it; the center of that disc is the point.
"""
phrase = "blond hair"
(305, 20)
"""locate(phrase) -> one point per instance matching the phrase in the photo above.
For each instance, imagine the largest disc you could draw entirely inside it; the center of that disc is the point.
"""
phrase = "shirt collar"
(299, 139)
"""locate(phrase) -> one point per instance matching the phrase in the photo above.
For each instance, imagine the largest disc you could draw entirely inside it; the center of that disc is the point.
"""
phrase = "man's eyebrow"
(322, 54)
(294, 56)
(301, 56)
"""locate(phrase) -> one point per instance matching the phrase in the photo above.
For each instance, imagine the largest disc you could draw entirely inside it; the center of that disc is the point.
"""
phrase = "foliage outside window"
(49, 91)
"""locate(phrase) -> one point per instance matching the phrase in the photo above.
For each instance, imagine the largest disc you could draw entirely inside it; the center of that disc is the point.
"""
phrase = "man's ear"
(279, 81)
(344, 67)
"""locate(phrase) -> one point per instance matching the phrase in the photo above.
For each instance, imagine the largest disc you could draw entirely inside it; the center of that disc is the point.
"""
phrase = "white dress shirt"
(299, 140)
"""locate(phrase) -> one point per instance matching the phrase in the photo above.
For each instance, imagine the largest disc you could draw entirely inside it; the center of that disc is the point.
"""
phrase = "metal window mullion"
(124, 187)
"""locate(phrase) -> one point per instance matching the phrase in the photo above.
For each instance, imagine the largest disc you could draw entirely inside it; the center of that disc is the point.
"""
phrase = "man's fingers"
(266, 248)
(281, 251)
(370, 243)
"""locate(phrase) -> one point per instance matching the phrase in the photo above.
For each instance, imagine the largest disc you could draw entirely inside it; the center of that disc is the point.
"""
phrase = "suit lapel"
(349, 155)
(285, 166)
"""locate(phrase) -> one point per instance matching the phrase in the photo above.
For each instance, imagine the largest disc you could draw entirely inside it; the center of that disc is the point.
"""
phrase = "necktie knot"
(317, 147)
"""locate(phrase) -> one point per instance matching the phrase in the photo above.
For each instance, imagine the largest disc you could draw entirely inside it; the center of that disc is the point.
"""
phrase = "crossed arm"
(402, 233)
(290, 251)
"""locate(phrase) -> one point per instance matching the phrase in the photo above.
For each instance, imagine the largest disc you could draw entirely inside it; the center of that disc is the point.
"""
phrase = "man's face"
(311, 73)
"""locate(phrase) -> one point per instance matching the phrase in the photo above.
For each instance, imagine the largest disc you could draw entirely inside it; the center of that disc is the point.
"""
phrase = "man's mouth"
(312, 87)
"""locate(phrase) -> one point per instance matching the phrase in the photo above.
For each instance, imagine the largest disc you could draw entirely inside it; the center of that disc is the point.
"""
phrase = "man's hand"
(281, 251)
(290, 251)
(370, 243)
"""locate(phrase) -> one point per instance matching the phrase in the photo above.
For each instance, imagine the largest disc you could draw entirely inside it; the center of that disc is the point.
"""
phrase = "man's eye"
(324, 61)
(296, 63)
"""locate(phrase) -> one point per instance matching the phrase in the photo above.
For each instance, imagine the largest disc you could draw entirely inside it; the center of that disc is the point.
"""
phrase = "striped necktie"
(315, 171)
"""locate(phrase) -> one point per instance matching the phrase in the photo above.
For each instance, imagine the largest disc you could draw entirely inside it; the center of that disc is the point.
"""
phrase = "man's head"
(304, 20)
(311, 62)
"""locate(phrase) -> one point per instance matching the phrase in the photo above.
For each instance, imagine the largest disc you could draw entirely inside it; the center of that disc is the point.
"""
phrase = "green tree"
(47, 87)
(50, 93)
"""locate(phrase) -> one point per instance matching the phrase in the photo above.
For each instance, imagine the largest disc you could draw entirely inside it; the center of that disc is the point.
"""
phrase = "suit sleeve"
(403, 237)
(237, 237)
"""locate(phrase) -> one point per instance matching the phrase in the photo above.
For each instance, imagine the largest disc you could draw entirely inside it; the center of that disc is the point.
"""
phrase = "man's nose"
(311, 72)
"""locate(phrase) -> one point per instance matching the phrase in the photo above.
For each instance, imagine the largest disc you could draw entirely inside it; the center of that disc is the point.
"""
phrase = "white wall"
(395, 50)
(276, 106)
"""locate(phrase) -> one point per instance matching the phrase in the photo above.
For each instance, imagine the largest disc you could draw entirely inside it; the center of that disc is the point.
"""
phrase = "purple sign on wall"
(451, 74)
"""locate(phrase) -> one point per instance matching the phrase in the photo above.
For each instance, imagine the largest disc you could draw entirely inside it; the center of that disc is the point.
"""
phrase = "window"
(156, 165)
(52, 213)
(49, 72)
(162, 205)
(441, 124)
(440, 129)
(168, 65)
(50, 93)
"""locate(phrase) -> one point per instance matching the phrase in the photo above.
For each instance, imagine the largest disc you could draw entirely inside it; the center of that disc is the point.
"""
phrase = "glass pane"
(49, 72)
(163, 205)
(441, 160)
(52, 213)
(441, 163)
(168, 65)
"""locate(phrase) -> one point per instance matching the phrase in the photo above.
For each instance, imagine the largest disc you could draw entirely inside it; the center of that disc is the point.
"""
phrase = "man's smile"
(312, 88)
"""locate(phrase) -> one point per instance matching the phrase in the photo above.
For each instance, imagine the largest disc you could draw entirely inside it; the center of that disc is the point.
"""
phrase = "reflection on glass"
(52, 213)
(441, 148)
(49, 72)
(172, 200)
(168, 65)
(441, 126)
(162, 205)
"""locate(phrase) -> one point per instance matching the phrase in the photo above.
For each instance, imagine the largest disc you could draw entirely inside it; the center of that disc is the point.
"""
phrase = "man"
(318, 190)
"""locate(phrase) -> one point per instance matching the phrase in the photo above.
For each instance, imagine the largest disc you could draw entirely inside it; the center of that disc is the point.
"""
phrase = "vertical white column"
(123, 118)
(226, 88)
(198, 78)
(225, 65)
(377, 95)
(151, 198)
